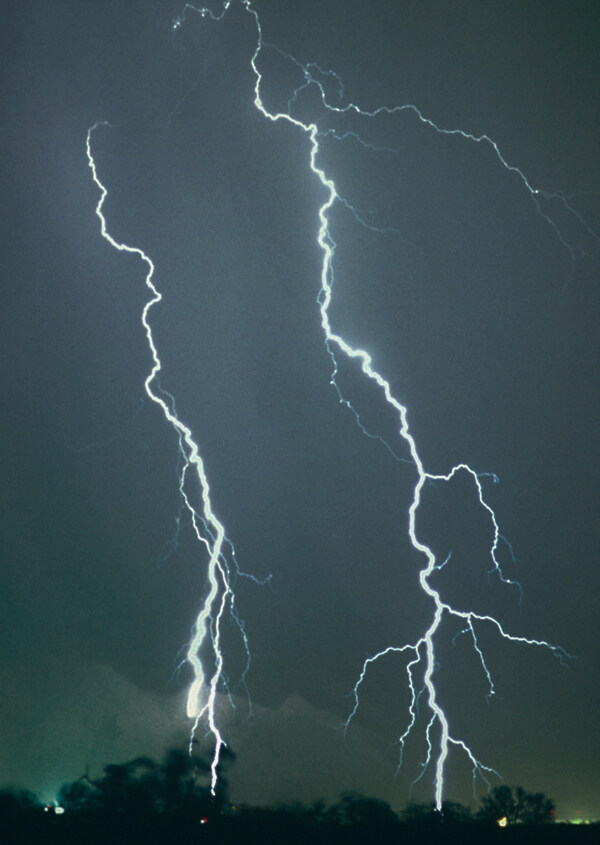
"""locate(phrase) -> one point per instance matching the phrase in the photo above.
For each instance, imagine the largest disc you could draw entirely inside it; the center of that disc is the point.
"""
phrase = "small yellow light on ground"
(502, 822)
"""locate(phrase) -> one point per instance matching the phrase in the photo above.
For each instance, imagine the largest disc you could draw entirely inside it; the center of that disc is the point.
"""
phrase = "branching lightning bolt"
(202, 695)
(421, 654)
(423, 651)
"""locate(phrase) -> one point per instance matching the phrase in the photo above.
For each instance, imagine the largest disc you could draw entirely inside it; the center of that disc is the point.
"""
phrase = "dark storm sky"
(474, 310)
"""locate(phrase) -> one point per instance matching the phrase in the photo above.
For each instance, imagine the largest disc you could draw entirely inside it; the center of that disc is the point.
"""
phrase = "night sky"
(480, 310)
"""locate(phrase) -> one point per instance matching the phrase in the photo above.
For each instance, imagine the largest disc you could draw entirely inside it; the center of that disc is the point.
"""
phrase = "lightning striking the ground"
(209, 530)
(420, 655)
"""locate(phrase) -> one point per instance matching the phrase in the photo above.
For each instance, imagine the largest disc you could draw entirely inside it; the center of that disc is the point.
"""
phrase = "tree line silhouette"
(171, 802)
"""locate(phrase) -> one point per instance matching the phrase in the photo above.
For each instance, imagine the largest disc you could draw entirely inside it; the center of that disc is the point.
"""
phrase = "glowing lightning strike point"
(201, 701)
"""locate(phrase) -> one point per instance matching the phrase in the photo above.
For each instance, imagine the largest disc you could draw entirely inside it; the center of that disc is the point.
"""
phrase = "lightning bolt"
(420, 654)
(209, 530)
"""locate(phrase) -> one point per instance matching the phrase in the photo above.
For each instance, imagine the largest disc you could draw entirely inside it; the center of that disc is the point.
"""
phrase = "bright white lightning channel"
(202, 695)
(421, 665)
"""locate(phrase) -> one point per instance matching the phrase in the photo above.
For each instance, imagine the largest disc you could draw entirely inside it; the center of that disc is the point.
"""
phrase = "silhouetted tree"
(534, 808)
(452, 813)
(180, 778)
(455, 813)
(144, 798)
(79, 795)
(516, 806)
(424, 813)
(355, 809)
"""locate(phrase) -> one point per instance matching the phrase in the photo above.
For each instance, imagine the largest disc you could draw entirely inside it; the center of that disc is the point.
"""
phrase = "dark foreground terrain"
(170, 803)
(266, 828)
